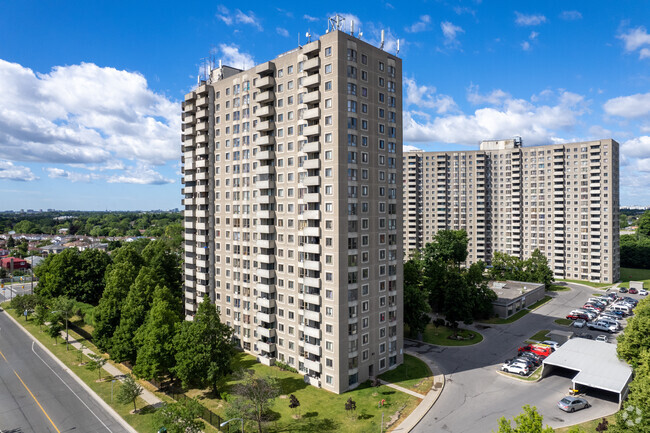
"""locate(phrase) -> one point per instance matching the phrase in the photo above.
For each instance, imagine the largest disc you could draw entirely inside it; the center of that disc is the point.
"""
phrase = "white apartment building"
(293, 207)
(562, 199)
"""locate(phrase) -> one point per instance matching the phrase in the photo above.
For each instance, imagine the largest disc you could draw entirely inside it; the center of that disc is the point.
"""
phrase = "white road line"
(84, 403)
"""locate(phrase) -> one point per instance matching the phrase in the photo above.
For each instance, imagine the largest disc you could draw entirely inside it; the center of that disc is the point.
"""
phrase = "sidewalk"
(146, 395)
(427, 400)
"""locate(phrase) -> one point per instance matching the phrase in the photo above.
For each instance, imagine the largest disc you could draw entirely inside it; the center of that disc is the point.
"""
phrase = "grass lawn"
(630, 274)
(556, 288)
(563, 322)
(589, 426)
(589, 283)
(142, 422)
(518, 315)
(540, 336)
(320, 411)
(413, 374)
(439, 335)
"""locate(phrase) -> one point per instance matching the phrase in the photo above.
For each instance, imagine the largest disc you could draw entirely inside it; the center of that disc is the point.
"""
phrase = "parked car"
(633, 291)
(593, 307)
(603, 337)
(643, 292)
(631, 300)
(602, 326)
(612, 296)
(537, 360)
(543, 351)
(577, 316)
(515, 369)
(580, 323)
(622, 290)
(610, 315)
(522, 361)
(553, 344)
(572, 404)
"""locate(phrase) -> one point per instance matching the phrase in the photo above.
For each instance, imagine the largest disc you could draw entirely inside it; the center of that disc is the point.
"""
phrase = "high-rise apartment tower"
(293, 215)
(562, 199)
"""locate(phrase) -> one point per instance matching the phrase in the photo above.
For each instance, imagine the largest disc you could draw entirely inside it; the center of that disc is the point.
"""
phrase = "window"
(328, 51)
(328, 103)
(328, 68)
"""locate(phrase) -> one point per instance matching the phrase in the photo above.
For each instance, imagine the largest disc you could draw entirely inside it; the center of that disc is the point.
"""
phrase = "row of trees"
(91, 223)
(436, 279)
(635, 252)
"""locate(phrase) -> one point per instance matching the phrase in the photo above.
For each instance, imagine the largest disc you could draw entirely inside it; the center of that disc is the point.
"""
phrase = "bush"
(285, 367)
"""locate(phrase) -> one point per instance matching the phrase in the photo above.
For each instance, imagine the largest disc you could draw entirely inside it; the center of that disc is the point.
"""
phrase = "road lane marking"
(3, 357)
(61, 379)
(39, 405)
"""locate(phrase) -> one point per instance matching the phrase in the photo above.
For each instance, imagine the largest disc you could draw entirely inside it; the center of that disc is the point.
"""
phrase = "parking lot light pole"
(234, 419)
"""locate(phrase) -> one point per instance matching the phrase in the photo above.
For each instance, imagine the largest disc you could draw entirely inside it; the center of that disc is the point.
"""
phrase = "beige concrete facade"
(293, 216)
(561, 198)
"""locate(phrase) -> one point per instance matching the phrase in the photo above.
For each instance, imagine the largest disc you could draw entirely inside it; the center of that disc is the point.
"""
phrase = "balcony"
(311, 47)
(312, 365)
(265, 140)
(312, 315)
(311, 163)
(265, 288)
(266, 199)
(265, 302)
(310, 215)
(265, 67)
(263, 228)
(265, 332)
(265, 82)
(266, 125)
(265, 258)
(312, 147)
(267, 110)
(264, 317)
(311, 197)
(265, 169)
(265, 214)
(264, 97)
(311, 265)
(311, 181)
(312, 348)
(312, 332)
(311, 81)
(265, 273)
(311, 97)
(265, 347)
(311, 282)
(264, 243)
(311, 231)
(309, 131)
(312, 113)
(311, 64)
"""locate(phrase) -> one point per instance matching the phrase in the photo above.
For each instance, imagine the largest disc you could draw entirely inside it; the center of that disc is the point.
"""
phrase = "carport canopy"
(596, 362)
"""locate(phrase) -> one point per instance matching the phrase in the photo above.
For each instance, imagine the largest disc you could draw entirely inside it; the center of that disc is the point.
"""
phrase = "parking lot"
(476, 395)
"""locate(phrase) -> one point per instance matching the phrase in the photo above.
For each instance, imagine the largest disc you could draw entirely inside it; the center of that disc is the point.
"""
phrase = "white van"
(622, 308)
(610, 322)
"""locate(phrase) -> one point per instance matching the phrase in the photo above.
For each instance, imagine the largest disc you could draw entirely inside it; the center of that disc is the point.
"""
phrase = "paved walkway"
(146, 395)
(427, 400)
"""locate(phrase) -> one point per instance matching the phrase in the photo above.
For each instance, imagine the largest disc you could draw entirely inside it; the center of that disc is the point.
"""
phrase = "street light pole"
(234, 419)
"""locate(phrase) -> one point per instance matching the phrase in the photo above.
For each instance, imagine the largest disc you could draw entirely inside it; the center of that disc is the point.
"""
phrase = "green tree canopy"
(530, 421)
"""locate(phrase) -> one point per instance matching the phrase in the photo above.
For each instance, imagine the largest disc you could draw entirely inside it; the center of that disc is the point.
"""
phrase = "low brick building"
(513, 296)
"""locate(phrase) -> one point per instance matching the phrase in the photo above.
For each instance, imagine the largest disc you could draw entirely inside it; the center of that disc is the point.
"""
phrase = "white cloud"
(408, 148)
(10, 171)
(229, 18)
(533, 35)
(629, 106)
(72, 176)
(426, 97)
(233, 57)
(464, 10)
(421, 25)
(644, 53)
(525, 45)
(570, 15)
(282, 31)
(635, 38)
(142, 174)
(450, 32)
(529, 20)
(495, 97)
(638, 147)
(310, 18)
(84, 114)
(539, 124)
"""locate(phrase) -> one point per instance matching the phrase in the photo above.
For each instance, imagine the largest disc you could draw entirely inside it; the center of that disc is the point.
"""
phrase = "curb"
(452, 347)
(433, 393)
(92, 393)
(512, 376)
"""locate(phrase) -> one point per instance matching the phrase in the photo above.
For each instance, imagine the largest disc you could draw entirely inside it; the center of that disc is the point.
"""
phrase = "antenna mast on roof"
(335, 23)
(381, 45)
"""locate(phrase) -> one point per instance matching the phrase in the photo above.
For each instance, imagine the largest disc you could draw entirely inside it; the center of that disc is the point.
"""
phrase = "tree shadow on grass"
(387, 392)
(147, 409)
(291, 384)
(309, 423)
(365, 416)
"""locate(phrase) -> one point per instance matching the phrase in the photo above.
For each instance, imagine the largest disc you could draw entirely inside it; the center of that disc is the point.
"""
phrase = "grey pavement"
(476, 396)
(39, 395)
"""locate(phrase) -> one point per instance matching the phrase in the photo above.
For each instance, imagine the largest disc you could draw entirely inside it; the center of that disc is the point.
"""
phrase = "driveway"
(476, 396)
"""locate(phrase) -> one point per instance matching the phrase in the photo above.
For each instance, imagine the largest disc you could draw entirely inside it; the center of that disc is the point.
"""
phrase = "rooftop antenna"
(397, 46)
(352, 27)
(360, 34)
(381, 45)
(335, 23)
(308, 34)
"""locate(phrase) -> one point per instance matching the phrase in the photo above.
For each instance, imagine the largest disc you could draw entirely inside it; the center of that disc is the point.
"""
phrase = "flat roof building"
(293, 207)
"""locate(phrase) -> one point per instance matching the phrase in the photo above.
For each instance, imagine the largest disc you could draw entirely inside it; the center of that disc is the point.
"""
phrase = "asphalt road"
(13, 289)
(38, 396)
(476, 395)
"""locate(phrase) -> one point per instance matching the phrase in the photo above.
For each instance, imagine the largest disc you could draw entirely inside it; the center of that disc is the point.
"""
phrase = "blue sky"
(90, 92)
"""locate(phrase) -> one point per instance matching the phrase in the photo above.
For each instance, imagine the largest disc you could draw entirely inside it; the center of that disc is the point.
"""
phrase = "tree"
(96, 363)
(93, 265)
(636, 335)
(536, 269)
(58, 275)
(134, 312)
(294, 403)
(129, 391)
(203, 349)
(107, 314)
(155, 338)
(350, 406)
(644, 225)
(22, 303)
(65, 309)
(181, 417)
(254, 395)
(11, 242)
(55, 328)
(416, 304)
(40, 315)
(530, 421)
(166, 264)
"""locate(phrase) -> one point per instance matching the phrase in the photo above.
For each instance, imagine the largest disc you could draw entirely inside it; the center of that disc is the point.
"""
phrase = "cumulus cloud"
(282, 31)
(235, 58)
(409, 148)
(426, 97)
(635, 39)
(237, 17)
(529, 20)
(72, 176)
(10, 171)
(495, 97)
(84, 114)
(421, 25)
(540, 124)
(450, 32)
(638, 147)
(310, 18)
(632, 106)
(525, 45)
(141, 174)
(570, 15)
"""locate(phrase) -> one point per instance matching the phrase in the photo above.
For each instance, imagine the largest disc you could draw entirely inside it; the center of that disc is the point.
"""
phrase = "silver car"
(572, 404)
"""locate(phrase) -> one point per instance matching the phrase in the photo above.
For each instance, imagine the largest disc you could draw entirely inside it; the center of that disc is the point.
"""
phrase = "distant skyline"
(90, 96)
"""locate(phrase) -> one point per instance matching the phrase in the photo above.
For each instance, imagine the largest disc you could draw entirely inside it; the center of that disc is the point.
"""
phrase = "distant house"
(52, 249)
(13, 263)
(63, 231)
(3, 252)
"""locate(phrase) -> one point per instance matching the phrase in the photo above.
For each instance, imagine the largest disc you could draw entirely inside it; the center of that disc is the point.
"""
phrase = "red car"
(577, 316)
(633, 291)
(592, 307)
(542, 351)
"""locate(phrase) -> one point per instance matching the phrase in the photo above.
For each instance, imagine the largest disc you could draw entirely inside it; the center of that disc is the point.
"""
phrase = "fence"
(208, 416)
